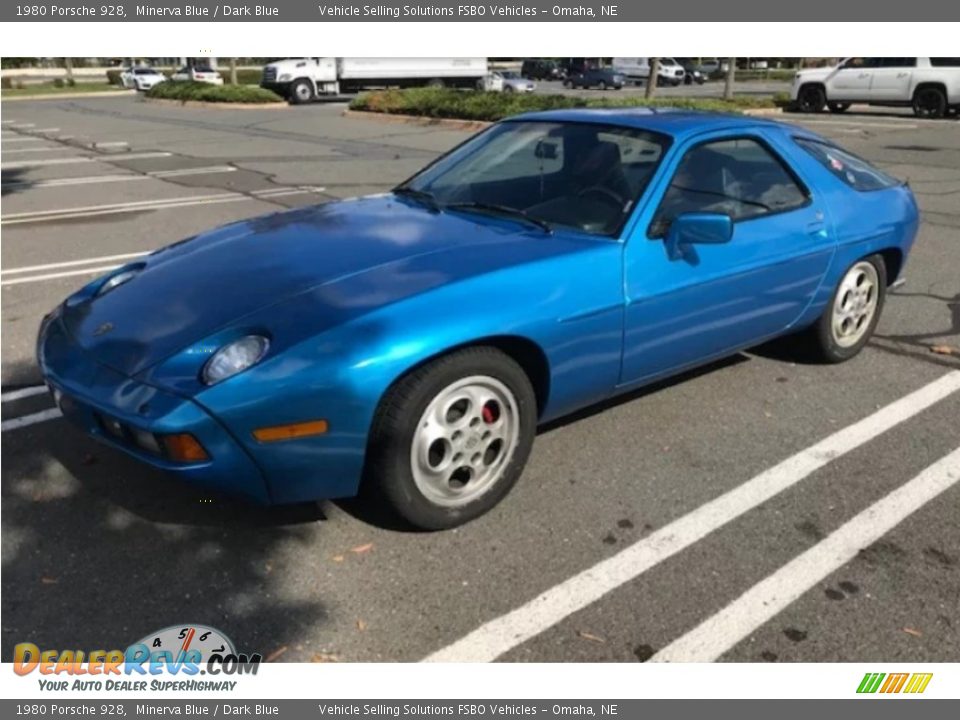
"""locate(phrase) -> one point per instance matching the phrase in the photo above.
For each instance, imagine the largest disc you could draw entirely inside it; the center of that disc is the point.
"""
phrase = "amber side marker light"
(291, 431)
(184, 448)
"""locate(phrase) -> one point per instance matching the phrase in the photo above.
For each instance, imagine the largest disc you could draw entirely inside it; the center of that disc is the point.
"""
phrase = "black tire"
(388, 469)
(602, 85)
(838, 107)
(825, 345)
(509, 89)
(301, 92)
(811, 99)
(930, 102)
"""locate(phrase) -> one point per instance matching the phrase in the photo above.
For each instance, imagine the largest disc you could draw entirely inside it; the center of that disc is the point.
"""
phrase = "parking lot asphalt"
(760, 509)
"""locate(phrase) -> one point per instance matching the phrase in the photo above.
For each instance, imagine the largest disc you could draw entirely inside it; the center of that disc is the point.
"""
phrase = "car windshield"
(203, 69)
(579, 175)
(145, 71)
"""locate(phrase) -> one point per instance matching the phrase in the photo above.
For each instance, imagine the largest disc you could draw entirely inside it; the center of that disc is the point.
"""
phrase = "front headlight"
(116, 281)
(233, 358)
(285, 78)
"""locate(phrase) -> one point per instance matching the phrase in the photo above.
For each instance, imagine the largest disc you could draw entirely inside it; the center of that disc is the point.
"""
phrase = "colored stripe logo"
(912, 683)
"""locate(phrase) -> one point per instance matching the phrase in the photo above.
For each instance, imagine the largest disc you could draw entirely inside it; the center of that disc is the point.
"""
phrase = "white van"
(637, 70)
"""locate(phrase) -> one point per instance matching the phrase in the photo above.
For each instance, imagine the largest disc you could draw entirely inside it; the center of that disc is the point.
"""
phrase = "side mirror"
(696, 229)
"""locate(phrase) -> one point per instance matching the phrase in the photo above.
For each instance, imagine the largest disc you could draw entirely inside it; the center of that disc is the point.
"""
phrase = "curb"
(451, 123)
(763, 112)
(219, 105)
(69, 96)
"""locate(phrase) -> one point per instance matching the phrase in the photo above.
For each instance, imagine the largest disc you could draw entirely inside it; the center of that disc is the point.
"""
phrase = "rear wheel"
(811, 99)
(451, 438)
(838, 107)
(301, 92)
(929, 102)
(852, 315)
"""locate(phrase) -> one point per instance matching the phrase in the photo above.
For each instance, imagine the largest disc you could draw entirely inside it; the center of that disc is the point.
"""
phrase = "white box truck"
(302, 80)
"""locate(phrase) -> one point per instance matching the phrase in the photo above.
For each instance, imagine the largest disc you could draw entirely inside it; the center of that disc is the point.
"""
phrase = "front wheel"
(451, 439)
(301, 92)
(852, 315)
(811, 99)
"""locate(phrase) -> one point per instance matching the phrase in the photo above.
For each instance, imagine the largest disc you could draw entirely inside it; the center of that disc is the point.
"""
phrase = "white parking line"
(22, 126)
(57, 276)
(763, 601)
(144, 205)
(496, 637)
(859, 124)
(23, 393)
(71, 263)
(45, 130)
(21, 422)
(32, 150)
(96, 179)
(22, 139)
(89, 158)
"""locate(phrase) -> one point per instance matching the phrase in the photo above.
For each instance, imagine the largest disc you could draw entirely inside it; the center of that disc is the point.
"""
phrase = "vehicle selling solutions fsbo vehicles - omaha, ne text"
(414, 340)
(931, 86)
(302, 80)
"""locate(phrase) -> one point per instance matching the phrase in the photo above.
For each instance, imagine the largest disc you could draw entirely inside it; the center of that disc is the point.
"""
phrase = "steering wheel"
(606, 192)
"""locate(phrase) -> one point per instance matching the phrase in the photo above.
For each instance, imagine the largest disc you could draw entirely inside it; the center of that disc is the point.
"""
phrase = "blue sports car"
(413, 341)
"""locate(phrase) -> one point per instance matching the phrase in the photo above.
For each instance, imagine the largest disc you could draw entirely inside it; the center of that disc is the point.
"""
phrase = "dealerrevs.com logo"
(180, 651)
(893, 683)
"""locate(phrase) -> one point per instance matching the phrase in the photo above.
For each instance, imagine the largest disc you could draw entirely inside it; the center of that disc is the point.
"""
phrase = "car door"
(891, 80)
(852, 80)
(721, 298)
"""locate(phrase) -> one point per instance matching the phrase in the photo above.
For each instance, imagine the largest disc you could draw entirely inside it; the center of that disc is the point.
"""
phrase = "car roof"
(675, 122)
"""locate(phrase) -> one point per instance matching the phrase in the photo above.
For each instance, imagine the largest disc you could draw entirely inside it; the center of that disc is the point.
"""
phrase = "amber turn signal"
(184, 448)
(290, 432)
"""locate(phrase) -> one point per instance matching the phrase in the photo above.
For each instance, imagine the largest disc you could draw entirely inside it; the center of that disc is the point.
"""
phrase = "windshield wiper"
(512, 212)
(422, 195)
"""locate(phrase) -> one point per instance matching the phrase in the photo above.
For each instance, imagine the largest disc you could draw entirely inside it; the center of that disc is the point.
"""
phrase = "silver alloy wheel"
(855, 304)
(464, 440)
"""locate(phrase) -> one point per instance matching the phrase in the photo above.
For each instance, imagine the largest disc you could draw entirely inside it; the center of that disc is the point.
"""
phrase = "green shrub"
(113, 77)
(6, 83)
(58, 82)
(490, 106)
(244, 77)
(71, 82)
(203, 92)
(19, 85)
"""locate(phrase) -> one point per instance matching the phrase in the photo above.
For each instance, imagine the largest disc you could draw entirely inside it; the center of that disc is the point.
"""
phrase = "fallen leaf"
(268, 568)
(338, 558)
(359, 549)
(590, 636)
(361, 625)
(276, 653)
(912, 631)
(49, 581)
(324, 658)
(944, 350)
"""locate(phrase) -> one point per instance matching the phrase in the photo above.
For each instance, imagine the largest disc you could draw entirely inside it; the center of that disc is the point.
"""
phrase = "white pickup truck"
(302, 80)
(931, 86)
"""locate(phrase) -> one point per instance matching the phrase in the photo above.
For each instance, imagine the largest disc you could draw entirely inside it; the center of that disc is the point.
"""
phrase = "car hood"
(814, 74)
(192, 289)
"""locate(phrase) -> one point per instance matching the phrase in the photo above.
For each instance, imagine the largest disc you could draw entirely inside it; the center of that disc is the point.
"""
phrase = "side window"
(847, 167)
(861, 63)
(945, 62)
(740, 178)
(898, 62)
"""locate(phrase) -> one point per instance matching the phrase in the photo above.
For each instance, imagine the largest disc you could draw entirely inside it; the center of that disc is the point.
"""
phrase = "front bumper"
(101, 400)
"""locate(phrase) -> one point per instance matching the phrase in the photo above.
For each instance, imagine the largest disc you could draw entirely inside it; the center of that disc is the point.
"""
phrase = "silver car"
(507, 81)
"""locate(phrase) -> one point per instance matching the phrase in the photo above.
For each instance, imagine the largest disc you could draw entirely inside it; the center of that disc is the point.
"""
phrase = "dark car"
(536, 69)
(595, 77)
(692, 72)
